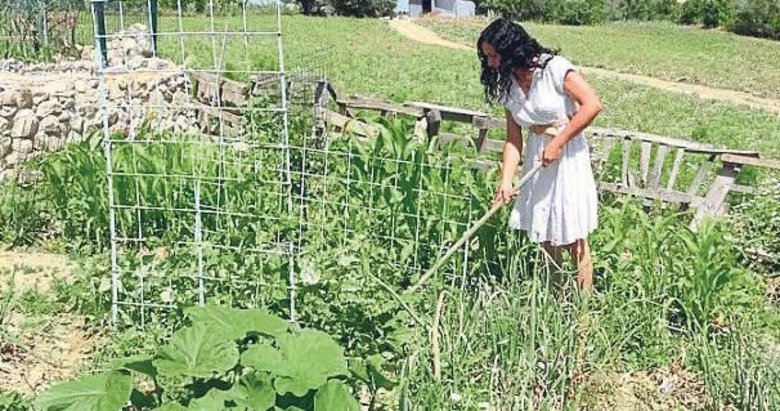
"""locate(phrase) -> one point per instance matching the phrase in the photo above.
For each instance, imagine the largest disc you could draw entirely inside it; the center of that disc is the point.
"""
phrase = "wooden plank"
(606, 149)
(448, 113)
(624, 175)
(644, 160)
(494, 145)
(742, 189)
(434, 122)
(216, 113)
(713, 201)
(658, 165)
(212, 86)
(701, 175)
(691, 146)
(481, 142)
(651, 138)
(751, 161)
(601, 154)
(668, 196)
(720, 151)
(488, 122)
(345, 124)
(485, 164)
(678, 156)
(367, 103)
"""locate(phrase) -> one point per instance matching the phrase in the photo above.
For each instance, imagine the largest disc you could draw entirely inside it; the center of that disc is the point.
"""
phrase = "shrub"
(642, 10)
(759, 18)
(580, 12)
(363, 8)
(709, 13)
(523, 10)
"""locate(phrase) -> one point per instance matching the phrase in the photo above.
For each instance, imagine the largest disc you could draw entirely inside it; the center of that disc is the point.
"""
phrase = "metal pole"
(98, 7)
(153, 25)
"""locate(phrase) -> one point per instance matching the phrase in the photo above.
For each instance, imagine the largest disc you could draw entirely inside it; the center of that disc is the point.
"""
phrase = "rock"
(93, 83)
(54, 143)
(49, 125)
(22, 147)
(180, 99)
(67, 103)
(136, 62)
(25, 124)
(155, 63)
(5, 146)
(88, 53)
(40, 96)
(74, 137)
(23, 98)
(113, 118)
(7, 98)
(7, 112)
(182, 124)
(157, 98)
(15, 157)
(80, 86)
(5, 127)
(48, 108)
(77, 124)
(64, 117)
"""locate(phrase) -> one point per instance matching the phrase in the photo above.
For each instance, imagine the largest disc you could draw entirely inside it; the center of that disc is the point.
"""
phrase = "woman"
(546, 98)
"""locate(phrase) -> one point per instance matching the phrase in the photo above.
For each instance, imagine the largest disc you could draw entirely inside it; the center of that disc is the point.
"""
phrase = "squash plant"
(227, 359)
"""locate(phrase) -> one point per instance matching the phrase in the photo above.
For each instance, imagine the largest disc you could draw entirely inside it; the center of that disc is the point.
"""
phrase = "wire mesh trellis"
(37, 29)
(180, 192)
(244, 200)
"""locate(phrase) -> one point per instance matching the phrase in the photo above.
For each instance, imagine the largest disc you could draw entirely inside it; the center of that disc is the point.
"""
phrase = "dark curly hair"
(517, 50)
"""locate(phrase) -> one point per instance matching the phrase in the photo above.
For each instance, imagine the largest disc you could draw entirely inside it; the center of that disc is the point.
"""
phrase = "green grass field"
(366, 57)
(661, 50)
(680, 320)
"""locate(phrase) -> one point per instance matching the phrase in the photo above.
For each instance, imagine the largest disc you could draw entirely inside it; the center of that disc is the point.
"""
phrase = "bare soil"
(37, 349)
(663, 389)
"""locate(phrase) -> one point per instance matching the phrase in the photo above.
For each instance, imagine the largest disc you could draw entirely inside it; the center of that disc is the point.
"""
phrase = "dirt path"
(415, 32)
(39, 345)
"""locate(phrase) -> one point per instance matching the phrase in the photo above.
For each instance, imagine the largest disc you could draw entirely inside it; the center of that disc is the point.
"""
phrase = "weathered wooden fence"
(649, 166)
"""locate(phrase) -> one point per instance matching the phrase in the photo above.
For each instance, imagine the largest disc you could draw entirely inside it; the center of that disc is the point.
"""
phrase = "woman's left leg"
(580, 252)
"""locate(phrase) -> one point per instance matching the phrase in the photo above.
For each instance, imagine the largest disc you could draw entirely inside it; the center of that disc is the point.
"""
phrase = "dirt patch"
(33, 356)
(39, 344)
(420, 34)
(424, 35)
(664, 389)
(26, 271)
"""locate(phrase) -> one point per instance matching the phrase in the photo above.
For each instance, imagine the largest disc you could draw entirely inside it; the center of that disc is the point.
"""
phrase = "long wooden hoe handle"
(470, 232)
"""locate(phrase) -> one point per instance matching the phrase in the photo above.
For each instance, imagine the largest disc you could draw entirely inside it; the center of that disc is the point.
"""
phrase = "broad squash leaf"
(214, 400)
(234, 323)
(334, 395)
(263, 357)
(105, 392)
(303, 362)
(254, 392)
(197, 351)
(171, 406)
(140, 364)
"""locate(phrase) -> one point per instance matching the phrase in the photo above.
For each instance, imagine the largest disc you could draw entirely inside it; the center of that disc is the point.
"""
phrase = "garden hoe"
(471, 231)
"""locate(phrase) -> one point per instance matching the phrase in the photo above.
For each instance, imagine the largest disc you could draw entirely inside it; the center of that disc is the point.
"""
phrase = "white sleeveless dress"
(559, 204)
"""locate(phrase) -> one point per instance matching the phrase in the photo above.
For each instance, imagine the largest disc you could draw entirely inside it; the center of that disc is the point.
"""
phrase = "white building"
(417, 8)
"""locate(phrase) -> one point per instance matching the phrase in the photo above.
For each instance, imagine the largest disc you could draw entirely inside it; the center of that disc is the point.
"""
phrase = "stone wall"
(43, 107)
